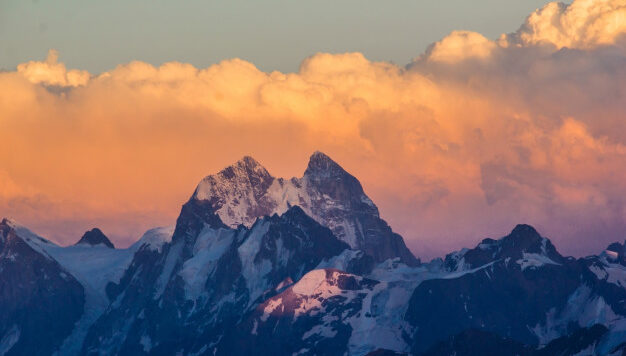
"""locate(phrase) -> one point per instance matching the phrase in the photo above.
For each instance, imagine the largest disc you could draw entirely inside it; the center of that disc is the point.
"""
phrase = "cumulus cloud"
(472, 137)
(459, 46)
(583, 24)
(51, 72)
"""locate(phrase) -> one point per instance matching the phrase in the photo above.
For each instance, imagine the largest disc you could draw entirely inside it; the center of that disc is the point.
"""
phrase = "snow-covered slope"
(330, 312)
(94, 263)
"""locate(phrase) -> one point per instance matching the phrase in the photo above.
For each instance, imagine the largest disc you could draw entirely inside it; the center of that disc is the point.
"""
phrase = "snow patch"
(323, 331)
(310, 282)
(534, 260)
(210, 245)
(154, 239)
(172, 258)
(255, 273)
(616, 274)
(599, 272)
(146, 343)
(340, 261)
(9, 339)
(269, 309)
(611, 255)
(254, 328)
(284, 284)
(583, 307)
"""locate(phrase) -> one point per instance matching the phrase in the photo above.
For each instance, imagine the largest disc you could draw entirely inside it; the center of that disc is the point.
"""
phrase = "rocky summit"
(245, 191)
(258, 265)
(95, 237)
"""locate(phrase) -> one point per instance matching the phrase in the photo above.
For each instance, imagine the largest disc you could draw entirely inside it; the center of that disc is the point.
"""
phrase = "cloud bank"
(470, 138)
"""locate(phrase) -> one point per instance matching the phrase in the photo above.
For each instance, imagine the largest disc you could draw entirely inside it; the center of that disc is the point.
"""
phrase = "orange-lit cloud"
(473, 136)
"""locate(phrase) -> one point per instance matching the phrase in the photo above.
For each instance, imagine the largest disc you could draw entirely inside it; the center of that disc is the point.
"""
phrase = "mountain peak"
(247, 173)
(523, 241)
(245, 191)
(524, 229)
(6, 225)
(95, 237)
(616, 252)
(321, 163)
(8, 222)
(246, 166)
(524, 235)
(236, 192)
(617, 247)
(248, 162)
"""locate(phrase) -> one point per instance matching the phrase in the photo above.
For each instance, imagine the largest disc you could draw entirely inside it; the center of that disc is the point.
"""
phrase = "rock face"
(246, 191)
(95, 237)
(39, 300)
(616, 252)
(257, 265)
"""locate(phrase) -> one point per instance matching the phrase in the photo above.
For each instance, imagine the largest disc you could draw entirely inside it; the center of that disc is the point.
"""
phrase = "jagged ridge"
(246, 191)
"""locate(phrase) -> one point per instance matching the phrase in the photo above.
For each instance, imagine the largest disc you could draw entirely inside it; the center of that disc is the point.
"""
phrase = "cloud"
(461, 45)
(472, 137)
(51, 72)
(583, 24)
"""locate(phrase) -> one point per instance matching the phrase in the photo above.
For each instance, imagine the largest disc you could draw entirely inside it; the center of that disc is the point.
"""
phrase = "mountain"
(40, 301)
(259, 265)
(518, 287)
(616, 252)
(313, 316)
(246, 191)
(327, 312)
(72, 280)
(523, 245)
(95, 237)
(206, 279)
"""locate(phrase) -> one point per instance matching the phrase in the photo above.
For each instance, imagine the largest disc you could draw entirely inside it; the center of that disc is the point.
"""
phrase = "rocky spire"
(95, 237)
(321, 164)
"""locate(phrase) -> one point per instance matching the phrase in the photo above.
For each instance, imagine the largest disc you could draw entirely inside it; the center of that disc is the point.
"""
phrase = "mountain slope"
(202, 283)
(93, 266)
(39, 300)
(518, 287)
(309, 317)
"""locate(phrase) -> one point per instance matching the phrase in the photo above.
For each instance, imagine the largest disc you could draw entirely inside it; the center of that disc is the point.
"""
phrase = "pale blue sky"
(273, 34)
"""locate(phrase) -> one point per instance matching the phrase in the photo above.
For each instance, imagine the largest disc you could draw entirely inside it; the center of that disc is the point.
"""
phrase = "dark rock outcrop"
(95, 237)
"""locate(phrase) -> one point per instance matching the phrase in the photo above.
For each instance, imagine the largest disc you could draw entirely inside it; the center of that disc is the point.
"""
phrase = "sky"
(455, 141)
(272, 34)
